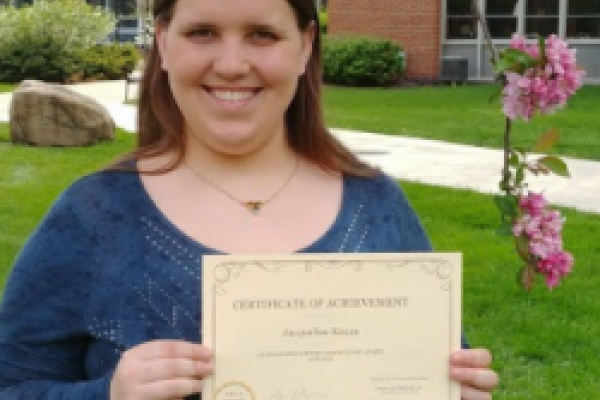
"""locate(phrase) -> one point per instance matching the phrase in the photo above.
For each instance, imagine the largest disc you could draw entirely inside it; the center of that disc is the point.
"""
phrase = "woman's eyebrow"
(249, 26)
(198, 24)
(263, 26)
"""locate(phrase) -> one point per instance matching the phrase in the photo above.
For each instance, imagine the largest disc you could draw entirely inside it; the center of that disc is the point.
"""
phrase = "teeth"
(232, 96)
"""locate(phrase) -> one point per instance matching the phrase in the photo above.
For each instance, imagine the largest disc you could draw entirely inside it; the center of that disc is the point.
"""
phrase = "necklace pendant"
(253, 206)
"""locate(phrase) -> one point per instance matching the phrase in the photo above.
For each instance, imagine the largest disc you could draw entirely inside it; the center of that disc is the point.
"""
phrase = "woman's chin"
(238, 139)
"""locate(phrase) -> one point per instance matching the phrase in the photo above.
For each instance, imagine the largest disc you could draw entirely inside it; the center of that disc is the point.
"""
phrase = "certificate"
(332, 326)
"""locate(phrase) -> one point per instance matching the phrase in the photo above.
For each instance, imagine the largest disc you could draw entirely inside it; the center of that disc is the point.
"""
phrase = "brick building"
(432, 30)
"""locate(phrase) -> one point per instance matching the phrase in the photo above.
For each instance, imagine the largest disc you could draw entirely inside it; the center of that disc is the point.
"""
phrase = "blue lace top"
(105, 271)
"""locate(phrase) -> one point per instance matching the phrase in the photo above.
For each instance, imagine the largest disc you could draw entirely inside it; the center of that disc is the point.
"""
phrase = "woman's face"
(233, 67)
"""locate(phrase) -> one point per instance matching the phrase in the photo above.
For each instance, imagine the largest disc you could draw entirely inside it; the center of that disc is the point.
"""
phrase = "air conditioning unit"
(454, 69)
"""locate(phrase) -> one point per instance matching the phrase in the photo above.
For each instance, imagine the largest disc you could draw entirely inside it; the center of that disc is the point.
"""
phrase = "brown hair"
(161, 124)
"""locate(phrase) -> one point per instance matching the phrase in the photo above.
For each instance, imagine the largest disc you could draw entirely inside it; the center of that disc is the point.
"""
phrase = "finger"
(470, 393)
(172, 389)
(174, 368)
(172, 349)
(476, 358)
(484, 379)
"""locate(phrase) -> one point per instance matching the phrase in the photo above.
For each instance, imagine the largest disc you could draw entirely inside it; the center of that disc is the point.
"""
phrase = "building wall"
(576, 21)
(415, 24)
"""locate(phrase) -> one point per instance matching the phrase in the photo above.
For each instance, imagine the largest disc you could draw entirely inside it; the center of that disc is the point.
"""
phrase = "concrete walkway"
(426, 161)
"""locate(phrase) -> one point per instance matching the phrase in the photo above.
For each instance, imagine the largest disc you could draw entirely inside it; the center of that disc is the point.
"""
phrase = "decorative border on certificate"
(296, 285)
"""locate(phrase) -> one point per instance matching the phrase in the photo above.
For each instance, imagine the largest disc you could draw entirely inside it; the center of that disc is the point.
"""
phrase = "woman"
(103, 300)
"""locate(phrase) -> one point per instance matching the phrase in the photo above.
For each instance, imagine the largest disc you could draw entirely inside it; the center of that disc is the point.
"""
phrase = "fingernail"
(206, 352)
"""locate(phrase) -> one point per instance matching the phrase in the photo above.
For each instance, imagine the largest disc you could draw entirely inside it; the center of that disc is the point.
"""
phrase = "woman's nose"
(230, 60)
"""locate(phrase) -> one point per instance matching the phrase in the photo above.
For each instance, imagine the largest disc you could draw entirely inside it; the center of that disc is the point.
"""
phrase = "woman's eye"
(264, 35)
(201, 33)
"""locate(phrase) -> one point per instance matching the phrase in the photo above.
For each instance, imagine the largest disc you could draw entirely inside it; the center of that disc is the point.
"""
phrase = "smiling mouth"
(233, 95)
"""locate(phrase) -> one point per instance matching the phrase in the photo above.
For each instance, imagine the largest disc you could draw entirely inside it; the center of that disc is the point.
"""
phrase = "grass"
(31, 178)
(7, 87)
(545, 343)
(462, 114)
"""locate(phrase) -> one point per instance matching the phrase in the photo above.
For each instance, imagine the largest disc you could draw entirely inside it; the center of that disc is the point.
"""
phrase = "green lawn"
(31, 178)
(462, 114)
(7, 87)
(545, 343)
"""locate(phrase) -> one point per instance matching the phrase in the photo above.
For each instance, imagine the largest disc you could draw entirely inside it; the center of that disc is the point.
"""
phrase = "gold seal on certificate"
(234, 390)
(332, 326)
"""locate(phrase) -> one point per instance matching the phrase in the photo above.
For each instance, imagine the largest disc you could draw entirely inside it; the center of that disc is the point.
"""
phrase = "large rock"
(43, 114)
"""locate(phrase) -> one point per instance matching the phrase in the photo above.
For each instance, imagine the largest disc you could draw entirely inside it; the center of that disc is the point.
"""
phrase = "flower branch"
(536, 78)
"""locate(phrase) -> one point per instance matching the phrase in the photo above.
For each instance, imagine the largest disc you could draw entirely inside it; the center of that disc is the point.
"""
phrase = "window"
(541, 17)
(501, 7)
(124, 7)
(501, 16)
(460, 21)
(575, 19)
(583, 19)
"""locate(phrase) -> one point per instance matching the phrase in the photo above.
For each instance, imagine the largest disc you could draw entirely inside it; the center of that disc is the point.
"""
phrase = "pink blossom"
(516, 102)
(533, 203)
(544, 88)
(517, 42)
(519, 226)
(544, 246)
(542, 227)
(533, 226)
(552, 223)
(555, 266)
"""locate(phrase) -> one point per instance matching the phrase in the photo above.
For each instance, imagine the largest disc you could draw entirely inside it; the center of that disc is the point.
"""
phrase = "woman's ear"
(308, 39)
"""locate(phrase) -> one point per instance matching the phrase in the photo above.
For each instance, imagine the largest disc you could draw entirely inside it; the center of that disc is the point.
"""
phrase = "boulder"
(43, 114)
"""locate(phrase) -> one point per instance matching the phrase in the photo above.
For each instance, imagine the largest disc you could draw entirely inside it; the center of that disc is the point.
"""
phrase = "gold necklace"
(254, 206)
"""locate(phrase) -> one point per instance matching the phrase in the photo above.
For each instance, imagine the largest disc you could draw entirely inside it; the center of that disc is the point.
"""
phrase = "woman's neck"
(272, 156)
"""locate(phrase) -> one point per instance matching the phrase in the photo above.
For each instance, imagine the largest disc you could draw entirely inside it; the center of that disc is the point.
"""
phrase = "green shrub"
(42, 60)
(110, 61)
(43, 41)
(362, 61)
(323, 20)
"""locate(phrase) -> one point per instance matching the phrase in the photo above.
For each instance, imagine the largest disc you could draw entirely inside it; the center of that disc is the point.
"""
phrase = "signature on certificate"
(301, 393)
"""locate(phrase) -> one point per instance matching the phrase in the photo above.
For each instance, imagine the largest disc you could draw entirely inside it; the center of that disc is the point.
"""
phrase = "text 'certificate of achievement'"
(332, 326)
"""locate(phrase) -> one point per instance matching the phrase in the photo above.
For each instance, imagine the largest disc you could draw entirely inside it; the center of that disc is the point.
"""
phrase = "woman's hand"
(471, 368)
(161, 370)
